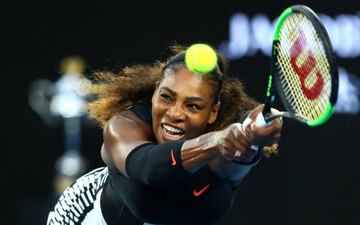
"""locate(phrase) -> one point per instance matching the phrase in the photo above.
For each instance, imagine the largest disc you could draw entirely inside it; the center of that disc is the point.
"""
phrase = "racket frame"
(274, 78)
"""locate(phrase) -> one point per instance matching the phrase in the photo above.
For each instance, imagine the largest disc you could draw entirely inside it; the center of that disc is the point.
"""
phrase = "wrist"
(249, 159)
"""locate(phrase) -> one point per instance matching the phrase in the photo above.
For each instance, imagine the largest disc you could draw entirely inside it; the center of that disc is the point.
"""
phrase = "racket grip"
(260, 121)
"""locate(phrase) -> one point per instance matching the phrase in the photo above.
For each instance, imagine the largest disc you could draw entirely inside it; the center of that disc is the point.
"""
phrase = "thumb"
(251, 118)
(253, 113)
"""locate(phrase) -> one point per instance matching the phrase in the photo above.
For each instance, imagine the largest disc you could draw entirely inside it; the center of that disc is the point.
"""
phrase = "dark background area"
(314, 180)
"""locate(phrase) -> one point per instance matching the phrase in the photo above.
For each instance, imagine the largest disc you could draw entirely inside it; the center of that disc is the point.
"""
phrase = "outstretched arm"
(128, 146)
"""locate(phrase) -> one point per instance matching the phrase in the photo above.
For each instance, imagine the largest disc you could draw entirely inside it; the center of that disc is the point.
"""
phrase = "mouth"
(172, 133)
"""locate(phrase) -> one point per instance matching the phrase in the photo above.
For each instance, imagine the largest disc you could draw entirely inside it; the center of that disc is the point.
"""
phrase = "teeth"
(173, 129)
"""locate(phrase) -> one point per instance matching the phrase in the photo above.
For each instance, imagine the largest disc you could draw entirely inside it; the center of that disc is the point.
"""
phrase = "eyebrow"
(193, 98)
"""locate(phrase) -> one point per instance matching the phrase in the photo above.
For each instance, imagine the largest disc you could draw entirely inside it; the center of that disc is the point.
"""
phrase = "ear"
(214, 112)
(157, 84)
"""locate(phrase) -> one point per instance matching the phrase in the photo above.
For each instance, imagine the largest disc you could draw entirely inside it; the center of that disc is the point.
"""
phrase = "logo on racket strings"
(304, 70)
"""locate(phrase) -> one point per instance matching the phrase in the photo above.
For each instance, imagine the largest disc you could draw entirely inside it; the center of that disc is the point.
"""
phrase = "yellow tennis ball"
(200, 58)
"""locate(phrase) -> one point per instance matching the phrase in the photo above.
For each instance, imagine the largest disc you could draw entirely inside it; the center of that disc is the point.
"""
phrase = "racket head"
(304, 66)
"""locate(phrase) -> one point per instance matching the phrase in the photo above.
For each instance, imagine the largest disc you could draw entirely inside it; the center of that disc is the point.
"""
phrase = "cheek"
(197, 126)
(157, 112)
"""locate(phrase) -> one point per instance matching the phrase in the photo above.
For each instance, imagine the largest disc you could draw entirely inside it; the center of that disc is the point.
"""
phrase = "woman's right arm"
(129, 147)
(123, 133)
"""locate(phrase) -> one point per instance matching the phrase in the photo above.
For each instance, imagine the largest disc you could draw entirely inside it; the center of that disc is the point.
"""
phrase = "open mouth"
(171, 132)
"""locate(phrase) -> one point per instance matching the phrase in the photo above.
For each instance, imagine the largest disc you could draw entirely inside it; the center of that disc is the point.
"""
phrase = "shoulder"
(122, 134)
(142, 110)
(127, 125)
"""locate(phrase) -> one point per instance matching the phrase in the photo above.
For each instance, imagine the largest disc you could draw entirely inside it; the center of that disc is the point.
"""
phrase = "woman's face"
(182, 106)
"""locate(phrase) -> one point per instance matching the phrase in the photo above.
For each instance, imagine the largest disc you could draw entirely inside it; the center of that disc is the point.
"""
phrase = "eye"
(166, 97)
(194, 107)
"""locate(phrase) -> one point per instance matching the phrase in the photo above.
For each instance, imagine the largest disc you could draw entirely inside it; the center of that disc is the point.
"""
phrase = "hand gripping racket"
(303, 69)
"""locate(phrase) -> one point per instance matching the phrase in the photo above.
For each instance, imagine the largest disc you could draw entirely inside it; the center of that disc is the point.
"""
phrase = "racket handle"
(260, 121)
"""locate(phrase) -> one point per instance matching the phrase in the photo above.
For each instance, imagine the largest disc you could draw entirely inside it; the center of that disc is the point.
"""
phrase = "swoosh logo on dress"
(173, 158)
(198, 193)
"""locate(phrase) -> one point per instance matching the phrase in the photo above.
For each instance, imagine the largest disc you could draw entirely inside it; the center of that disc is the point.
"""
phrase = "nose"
(176, 113)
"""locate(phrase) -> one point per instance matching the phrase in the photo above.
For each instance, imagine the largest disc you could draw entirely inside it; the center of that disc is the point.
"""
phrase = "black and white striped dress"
(80, 202)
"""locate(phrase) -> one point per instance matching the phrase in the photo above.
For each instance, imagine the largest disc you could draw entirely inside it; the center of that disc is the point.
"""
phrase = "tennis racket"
(304, 72)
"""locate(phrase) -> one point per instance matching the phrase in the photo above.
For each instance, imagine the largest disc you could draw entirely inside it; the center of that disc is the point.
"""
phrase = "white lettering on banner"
(251, 35)
(248, 35)
(349, 93)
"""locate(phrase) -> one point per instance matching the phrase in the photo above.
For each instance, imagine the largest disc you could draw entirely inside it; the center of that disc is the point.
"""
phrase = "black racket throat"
(268, 115)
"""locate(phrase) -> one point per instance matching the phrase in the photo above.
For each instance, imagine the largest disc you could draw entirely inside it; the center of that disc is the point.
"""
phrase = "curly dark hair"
(115, 92)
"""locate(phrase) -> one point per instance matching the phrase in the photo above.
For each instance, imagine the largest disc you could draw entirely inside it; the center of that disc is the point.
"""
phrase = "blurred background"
(47, 140)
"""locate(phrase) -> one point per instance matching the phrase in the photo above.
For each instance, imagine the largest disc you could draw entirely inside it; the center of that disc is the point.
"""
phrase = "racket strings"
(304, 70)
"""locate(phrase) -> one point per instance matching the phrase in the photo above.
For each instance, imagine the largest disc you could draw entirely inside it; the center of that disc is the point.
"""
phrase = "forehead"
(184, 82)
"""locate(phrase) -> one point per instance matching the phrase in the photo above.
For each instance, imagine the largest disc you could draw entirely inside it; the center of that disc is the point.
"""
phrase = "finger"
(241, 149)
(253, 113)
(235, 150)
(227, 151)
(266, 140)
(271, 130)
(237, 154)
(245, 157)
(241, 146)
(239, 136)
(228, 155)
(252, 129)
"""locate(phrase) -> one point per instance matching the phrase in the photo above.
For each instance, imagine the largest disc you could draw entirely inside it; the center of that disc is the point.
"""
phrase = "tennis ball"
(200, 58)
